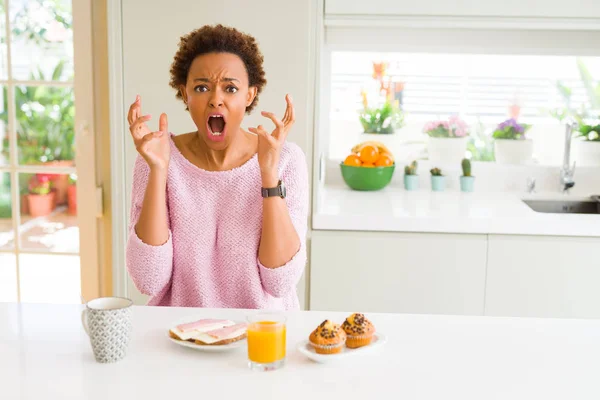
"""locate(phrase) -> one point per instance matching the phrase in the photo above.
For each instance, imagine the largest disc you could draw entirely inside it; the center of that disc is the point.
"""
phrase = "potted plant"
(411, 179)
(447, 140)
(41, 196)
(382, 115)
(438, 181)
(586, 147)
(511, 146)
(466, 180)
(72, 195)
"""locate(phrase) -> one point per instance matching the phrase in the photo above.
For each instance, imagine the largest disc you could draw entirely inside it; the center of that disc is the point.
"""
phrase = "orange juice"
(266, 341)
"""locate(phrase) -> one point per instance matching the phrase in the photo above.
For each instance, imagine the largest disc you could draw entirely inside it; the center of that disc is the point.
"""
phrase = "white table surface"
(397, 210)
(45, 354)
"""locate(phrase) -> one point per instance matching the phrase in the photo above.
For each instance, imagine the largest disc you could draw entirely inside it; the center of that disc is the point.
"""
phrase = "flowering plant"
(40, 184)
(454, 127)
(511, 129)
(387, 117)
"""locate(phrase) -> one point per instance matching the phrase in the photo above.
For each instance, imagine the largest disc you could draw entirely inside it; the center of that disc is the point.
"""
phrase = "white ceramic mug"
(107, 321)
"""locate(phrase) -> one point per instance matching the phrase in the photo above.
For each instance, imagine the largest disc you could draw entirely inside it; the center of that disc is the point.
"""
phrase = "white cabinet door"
(532, 276)
(397, 272)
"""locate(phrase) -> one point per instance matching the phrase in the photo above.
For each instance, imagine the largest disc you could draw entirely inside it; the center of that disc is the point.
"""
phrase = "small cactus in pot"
(466, 180)
(438, 180)
(411, 179)
(411, 169)
(466, 167)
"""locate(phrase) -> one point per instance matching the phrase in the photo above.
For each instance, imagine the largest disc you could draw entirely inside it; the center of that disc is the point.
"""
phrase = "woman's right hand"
(153, 146)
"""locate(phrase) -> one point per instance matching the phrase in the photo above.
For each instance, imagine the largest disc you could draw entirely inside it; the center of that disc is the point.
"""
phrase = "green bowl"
(365, 178)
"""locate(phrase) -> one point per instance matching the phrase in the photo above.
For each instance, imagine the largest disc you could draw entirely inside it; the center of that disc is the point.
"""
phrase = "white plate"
(201, 347)
(306, 348)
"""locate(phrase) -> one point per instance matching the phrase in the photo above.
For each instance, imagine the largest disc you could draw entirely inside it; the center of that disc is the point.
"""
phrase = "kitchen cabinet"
(397, 272)
(543, 276)
(495, 275)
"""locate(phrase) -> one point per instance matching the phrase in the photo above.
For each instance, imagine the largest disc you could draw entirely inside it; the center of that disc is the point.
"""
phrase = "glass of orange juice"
(266, 341)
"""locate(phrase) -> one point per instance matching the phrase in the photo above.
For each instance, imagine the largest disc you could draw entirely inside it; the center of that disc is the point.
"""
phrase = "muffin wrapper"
(359, 340)
(327, 348)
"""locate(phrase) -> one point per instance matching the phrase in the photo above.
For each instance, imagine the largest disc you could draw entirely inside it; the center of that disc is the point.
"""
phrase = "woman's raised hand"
(153, 146)
(270, 144)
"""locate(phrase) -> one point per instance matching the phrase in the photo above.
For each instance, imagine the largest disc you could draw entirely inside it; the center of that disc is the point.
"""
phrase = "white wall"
(151, 32)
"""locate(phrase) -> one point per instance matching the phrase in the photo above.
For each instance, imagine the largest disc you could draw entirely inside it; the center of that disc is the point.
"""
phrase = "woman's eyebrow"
(223, 79)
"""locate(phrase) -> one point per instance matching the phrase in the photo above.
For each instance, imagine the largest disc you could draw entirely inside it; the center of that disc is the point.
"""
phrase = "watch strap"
(277, 191)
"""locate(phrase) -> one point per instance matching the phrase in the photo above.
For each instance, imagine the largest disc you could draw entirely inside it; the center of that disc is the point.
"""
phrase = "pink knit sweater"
(215, 220)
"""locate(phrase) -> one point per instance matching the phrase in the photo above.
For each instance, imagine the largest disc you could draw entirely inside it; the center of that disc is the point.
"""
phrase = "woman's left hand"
(270, 144)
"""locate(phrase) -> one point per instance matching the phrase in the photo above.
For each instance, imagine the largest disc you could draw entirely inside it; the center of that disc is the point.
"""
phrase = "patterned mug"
(107, 321)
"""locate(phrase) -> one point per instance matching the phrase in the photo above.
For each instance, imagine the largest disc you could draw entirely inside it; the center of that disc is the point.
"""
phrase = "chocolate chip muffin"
(328, 338)
(359, 331)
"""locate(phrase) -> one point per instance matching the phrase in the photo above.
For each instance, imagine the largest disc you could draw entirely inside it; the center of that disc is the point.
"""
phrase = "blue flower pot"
(411, 182)
(467, 183)
(438, 183)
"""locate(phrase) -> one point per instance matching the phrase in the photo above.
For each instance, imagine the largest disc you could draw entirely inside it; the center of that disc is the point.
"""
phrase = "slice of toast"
(222, 342)
(173, 335)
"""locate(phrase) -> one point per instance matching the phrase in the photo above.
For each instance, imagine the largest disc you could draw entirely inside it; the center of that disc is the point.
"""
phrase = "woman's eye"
(200, 88)
(231, 89)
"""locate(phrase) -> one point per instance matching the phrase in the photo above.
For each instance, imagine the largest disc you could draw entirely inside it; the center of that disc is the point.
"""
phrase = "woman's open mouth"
(216, 127)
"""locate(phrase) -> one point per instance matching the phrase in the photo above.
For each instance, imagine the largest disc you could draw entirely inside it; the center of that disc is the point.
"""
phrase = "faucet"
(567, 171)
(530, 185)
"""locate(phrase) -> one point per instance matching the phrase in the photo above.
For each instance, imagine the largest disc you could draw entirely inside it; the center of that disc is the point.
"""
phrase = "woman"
(218, 215)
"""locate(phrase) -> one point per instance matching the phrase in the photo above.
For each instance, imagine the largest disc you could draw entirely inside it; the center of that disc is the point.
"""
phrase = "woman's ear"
(252, 90)
(183, 93)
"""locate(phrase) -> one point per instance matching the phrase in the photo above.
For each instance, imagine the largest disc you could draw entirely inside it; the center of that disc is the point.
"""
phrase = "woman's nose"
(216, 99)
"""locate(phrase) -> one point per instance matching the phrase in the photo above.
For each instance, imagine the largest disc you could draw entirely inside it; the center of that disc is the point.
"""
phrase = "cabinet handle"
(321, 167)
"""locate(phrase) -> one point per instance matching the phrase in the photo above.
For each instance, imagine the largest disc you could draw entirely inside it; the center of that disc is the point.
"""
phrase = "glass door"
(40, 236)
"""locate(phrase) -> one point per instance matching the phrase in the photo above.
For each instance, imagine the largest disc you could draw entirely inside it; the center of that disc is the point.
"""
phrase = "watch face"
(283, 191)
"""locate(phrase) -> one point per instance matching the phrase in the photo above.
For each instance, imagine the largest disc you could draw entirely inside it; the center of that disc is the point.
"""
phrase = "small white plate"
(201, 347)
(309, 351)
(215, 349)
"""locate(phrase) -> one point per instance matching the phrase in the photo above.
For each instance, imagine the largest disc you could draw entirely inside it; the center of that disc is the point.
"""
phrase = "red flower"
(44, 178)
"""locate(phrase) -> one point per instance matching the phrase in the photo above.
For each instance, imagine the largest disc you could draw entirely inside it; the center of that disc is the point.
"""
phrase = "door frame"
(89, 205)
(118, 135)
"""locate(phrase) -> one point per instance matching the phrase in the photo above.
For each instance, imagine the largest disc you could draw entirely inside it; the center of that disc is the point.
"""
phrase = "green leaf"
(58, 70)
(593, 91)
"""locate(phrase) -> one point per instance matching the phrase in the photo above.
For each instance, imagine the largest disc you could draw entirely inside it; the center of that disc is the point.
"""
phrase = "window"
(483, 89)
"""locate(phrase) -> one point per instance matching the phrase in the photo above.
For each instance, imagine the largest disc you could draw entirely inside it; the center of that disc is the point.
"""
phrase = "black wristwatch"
(278, 191)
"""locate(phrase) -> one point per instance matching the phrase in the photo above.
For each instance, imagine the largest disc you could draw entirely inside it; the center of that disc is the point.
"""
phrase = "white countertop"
(397, 210)
(46, 354)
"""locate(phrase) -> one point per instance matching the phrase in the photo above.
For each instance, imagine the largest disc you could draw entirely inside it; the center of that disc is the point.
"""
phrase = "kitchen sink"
(564, 206)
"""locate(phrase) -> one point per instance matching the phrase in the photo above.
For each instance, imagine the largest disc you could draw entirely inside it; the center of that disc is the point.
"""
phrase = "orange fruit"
(384, 161)
(352, 160)
(368, 165)
(369, 154)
